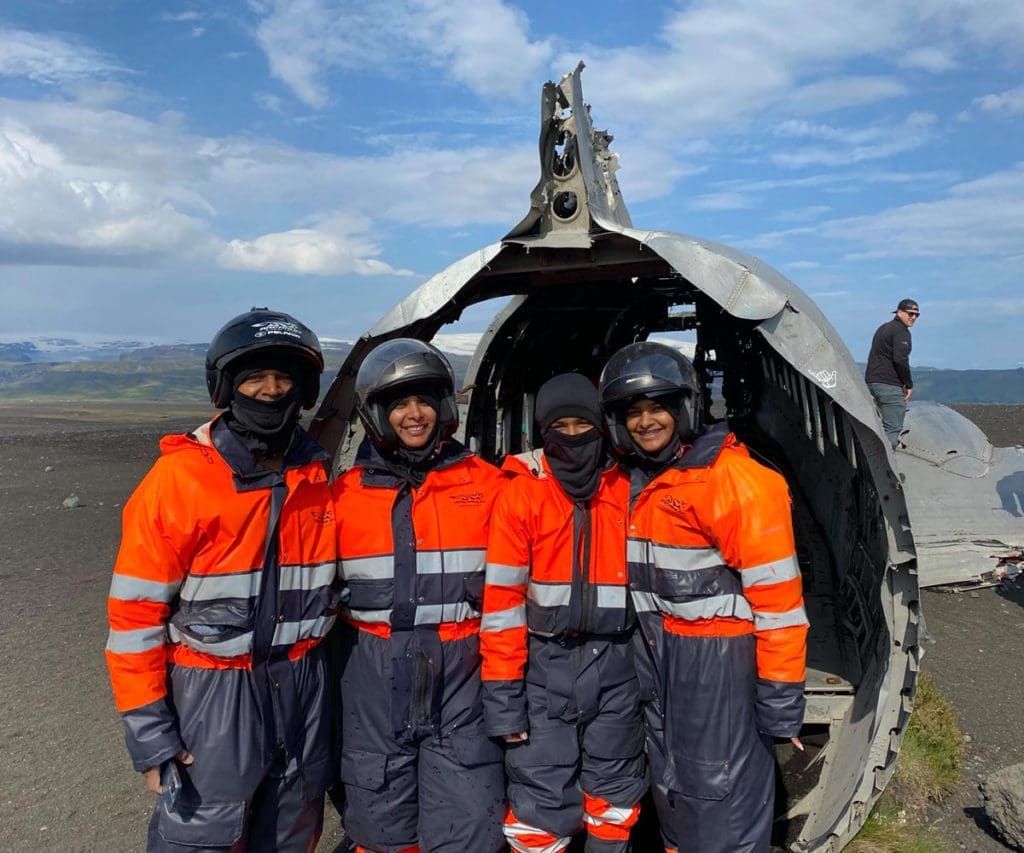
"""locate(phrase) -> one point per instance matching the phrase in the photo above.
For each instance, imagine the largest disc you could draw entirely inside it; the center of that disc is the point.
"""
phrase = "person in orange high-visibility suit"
(717, 589)
(418, 770)
(560, 683)
(224, 586)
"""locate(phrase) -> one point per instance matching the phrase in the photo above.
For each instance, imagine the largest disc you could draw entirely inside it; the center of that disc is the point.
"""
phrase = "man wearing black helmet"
(717, 589)
(418, 769)
(224, 586)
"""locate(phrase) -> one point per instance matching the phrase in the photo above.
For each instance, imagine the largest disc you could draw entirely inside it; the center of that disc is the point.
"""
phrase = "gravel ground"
(65, 782)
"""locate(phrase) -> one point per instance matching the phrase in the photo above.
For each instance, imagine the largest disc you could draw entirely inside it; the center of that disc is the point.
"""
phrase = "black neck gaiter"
(414, 463)
(576, 461)
(265, 427)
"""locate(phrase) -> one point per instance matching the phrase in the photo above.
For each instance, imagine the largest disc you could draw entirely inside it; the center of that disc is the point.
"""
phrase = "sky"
(164, 166)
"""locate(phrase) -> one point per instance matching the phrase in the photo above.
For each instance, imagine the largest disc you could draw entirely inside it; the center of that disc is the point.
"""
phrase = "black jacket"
(889, 359)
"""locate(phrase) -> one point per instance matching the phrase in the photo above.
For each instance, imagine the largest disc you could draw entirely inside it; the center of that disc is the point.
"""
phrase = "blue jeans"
(892, 407)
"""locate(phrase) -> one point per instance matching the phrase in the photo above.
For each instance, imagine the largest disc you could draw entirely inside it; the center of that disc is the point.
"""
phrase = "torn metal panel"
(965, 497)
(578, 193)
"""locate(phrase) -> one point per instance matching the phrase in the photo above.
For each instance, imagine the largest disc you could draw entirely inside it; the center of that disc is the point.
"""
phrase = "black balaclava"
(413, 463)
(266, 427)
(575, 460)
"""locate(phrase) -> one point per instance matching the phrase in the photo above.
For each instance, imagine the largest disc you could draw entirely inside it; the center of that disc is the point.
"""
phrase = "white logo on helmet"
(277, 327)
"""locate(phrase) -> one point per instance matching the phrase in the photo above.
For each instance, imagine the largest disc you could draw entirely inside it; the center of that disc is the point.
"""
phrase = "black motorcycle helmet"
(263, 332)
(403, 362)
(648, 369)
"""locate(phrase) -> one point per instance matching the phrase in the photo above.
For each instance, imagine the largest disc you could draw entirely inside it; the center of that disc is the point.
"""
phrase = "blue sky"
(165, 166)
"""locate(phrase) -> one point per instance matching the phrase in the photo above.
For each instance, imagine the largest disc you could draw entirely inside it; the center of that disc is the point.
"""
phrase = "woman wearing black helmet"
(716, 586)
(223, 589)
(419, 772)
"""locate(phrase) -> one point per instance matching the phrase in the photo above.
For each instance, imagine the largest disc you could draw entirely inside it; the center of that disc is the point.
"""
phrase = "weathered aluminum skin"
(966, 497)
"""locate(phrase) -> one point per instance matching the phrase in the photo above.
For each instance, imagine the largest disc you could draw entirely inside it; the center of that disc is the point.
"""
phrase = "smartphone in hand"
(170, 781)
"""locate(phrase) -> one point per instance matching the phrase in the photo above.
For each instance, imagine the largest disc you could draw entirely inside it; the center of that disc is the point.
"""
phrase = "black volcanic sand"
(65, 781)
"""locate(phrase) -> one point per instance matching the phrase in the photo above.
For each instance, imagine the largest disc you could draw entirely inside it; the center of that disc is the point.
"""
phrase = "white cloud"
(268, 102)
(457, 343)
(840, 92)
(931, 58)
(722, 201)
(52, 210)
(337, 247)
(1010, 102)
(76, 176)
(180, 17)
(49, 58)
(802, 214)
(848, 146)
(977, 218)
(481, 44)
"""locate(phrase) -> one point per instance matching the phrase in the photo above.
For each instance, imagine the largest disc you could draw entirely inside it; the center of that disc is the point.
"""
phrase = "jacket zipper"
(583, 562)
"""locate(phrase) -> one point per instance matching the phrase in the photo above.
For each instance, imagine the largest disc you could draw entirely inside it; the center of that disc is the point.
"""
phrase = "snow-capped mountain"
(69, 347)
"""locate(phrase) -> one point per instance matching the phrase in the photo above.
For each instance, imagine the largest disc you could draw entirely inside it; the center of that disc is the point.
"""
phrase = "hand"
(517, 737)
(152, 776)
(796, 743)
(906, 394)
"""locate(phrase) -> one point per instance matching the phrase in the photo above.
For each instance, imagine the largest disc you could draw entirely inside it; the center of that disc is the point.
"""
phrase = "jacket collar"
(248, 473)
(379, 471)
(705, 448)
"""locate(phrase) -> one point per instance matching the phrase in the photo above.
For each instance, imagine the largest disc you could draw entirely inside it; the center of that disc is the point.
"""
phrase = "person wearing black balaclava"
(560, 686)
(223, 590)
(417, 769)
(266, 403)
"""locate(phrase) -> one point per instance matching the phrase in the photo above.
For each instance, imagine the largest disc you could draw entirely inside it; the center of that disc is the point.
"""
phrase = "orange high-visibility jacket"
(436, 576)
(712, 553)
(189, 573)
(554, 569)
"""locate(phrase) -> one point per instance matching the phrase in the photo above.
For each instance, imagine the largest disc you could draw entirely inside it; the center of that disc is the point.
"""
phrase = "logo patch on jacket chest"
(468, 499)
(673, 504)
(322, 516)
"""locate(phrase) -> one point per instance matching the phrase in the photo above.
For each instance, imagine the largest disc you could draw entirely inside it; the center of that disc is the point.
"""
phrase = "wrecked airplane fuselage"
(584, 282)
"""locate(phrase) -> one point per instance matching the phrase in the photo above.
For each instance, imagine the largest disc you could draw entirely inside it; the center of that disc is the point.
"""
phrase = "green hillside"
(969, 386)
(176, 373)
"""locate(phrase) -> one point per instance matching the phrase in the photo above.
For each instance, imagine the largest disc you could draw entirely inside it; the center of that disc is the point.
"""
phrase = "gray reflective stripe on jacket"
(499, 620)
(769, 621)
(455, 561)
(213, 644)
(728, 606)
(672, 557)
(138, 640)
(426, 614)
(288, 633)
(547, 609)
(441, 591)
(247, 584)
(769, 573)
(128, 588)
(501, 575)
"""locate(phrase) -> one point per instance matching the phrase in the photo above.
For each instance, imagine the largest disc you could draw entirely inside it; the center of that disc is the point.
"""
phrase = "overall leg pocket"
(197, 824)
(381, 802)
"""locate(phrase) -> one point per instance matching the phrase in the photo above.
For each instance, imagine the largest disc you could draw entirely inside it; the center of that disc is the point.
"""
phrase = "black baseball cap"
(908, 305)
